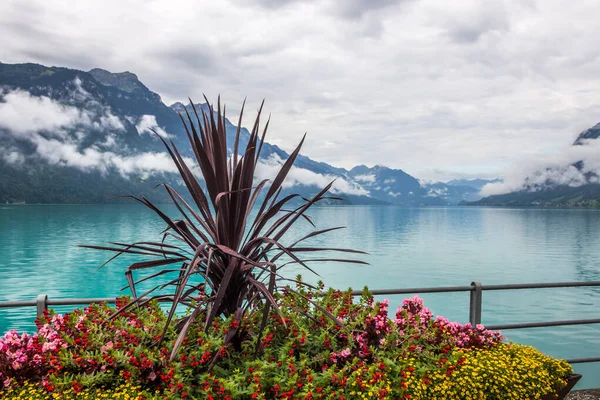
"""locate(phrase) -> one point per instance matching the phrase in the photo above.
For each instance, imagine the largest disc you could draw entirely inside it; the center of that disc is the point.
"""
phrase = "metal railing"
(476, 290)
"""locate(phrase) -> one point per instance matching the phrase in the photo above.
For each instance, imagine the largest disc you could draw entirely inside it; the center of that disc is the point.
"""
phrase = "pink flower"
(107, 346)
(48, 346)
(345, 353)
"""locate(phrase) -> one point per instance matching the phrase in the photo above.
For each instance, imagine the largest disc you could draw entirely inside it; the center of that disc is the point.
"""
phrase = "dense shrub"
(303, 354)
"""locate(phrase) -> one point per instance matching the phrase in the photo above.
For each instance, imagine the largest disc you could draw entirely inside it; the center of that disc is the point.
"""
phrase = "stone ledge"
(590, 394)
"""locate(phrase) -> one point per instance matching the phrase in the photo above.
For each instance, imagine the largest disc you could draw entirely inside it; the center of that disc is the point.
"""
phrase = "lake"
(408, 247)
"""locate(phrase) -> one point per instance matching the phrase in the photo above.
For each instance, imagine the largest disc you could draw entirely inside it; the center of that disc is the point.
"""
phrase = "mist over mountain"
(71, 136)
(473, 183)
(565, 179)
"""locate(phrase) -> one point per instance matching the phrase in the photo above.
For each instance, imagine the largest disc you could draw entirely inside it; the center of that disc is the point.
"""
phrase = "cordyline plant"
(237, 256)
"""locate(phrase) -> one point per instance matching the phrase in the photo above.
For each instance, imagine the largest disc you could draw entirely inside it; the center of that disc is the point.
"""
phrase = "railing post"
(41, 304)
(476, 299)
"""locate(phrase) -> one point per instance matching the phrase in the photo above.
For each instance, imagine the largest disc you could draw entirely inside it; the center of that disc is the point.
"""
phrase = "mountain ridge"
(109, 134)
(588, 134)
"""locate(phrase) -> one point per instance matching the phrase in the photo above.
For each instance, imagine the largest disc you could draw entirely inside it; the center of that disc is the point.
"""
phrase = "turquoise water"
(409, 247)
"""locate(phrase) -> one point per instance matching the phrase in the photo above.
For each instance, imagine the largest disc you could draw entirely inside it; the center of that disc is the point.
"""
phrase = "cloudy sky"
(440, 89)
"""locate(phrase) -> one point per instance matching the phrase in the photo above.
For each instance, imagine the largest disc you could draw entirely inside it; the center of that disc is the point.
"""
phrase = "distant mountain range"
(71, 136)
(558, 196)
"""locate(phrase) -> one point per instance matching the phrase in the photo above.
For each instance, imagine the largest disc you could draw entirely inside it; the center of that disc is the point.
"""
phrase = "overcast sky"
(440, 89)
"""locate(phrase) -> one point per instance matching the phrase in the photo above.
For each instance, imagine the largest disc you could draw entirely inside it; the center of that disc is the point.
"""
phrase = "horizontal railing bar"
(441, 289)
(583, 360)
(544, 324)
(62, 302)
(449, 289)
(377, 292)
(17, 303)
(549, 285)
(72, 302)
(57, 302)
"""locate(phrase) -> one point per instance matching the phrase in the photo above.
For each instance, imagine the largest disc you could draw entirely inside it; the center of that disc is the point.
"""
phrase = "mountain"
(559, 196)
(308, 175)
(453, 194)
(399, 188)
(572, 185)
(392, 185)
(71, 136)
(64, 133)
(592, 133)
(459, 191)
(268, 151)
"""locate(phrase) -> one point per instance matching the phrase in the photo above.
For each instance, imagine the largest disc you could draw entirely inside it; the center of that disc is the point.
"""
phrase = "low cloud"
(148, 163)
(147, 124)
(25, 115)
(365, 178)
(573, 166)
(12, 157)
(109, 121)
(56, 131)
(93, 158)
(437, 192)
(268, 169)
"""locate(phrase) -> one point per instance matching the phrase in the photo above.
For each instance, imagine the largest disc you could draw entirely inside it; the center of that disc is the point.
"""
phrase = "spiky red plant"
(236, 255)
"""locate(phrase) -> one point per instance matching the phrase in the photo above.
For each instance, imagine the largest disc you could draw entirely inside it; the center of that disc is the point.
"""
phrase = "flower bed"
(302, 354)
